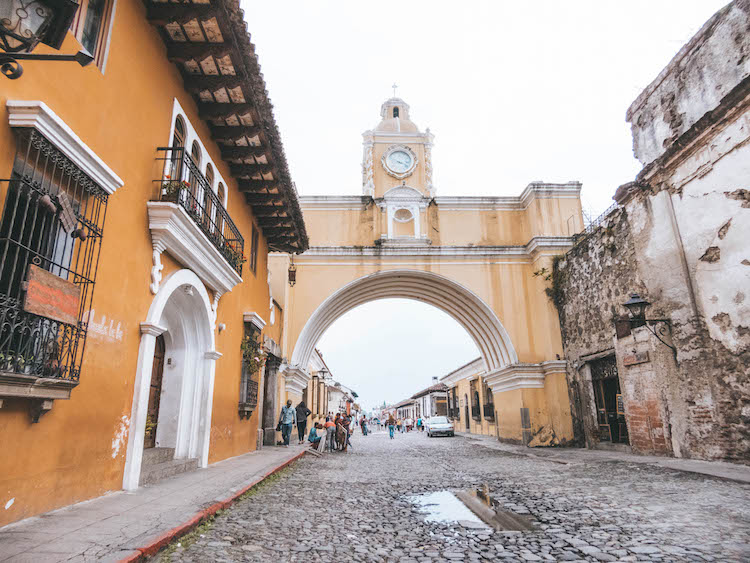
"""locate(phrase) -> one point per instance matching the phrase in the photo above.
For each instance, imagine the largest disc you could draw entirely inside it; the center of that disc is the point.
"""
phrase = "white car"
(439, 426)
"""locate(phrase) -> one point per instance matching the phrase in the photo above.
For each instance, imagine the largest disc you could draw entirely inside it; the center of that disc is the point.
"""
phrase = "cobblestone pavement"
(355, 507)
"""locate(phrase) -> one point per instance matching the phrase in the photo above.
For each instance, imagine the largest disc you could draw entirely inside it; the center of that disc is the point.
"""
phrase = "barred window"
(252, 361)
(50, 238)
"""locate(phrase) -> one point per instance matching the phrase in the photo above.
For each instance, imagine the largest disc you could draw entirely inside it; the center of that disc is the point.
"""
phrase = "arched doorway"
(180, 314)
(471, 312)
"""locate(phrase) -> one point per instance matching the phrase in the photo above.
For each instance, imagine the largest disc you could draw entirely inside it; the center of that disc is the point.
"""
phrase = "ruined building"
(679, 238)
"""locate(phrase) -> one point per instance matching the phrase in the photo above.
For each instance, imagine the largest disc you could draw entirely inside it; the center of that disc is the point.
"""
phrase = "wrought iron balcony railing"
(489, 411)
(185, 185)
(476, 412)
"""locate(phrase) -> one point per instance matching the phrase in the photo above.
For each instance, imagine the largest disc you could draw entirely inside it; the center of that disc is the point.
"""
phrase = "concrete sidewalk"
(718, 469)
(124, 525)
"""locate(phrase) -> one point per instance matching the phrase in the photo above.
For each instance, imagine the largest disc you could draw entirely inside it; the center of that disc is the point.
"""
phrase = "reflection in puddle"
(474, 508)
(444, 507)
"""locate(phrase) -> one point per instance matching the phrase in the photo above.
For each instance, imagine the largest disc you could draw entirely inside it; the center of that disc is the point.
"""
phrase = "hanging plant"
(253, 355)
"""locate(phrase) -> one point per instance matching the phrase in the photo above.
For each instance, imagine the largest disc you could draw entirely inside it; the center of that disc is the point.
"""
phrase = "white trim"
(295, 379)
(536, 246)
(522, 376)
(255, 319)
(174, 231)
(194, 320)
(110, 25)
(473, 368)
(36, 114)
(468, 309)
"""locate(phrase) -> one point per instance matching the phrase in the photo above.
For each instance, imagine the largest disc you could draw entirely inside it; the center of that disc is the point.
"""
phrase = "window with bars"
(252, 362)
(50, 239)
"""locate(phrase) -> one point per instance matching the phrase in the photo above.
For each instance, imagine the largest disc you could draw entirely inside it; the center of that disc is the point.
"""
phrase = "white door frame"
(194, 432)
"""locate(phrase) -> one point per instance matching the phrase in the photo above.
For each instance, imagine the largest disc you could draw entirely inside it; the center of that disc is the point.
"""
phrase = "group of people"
(403, 425)
(338, 429)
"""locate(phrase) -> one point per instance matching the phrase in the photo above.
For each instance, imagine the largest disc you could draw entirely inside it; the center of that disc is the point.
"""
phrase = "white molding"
(474, 367)
(295, 379)
(36, 114)
(522, 376)
(255, 319)
(421, 247)
(153, 329)
(192, 311)
(469, 310)
(533, 191)
(173, 230)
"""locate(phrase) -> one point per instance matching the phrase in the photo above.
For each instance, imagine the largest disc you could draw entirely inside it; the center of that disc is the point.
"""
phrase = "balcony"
(188, 220)
(489, 412)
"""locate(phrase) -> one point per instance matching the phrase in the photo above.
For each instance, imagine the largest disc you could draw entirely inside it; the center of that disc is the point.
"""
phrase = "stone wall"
(680, 239)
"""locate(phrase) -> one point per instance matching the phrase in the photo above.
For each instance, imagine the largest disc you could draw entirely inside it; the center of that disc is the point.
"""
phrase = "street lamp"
(636, 307)
(26, 23)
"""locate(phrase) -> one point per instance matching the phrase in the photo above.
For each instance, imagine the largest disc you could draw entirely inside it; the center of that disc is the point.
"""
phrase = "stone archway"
(479, 320)
(181, 311)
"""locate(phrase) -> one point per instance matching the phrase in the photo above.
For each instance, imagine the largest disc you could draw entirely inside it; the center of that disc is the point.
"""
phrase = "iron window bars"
(489, 411)
(249, 378)
(185, 185)
(53, 219)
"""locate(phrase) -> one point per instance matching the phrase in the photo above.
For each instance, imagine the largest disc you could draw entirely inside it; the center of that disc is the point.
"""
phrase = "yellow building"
(470, 400)
(141, 196)
(472, 257)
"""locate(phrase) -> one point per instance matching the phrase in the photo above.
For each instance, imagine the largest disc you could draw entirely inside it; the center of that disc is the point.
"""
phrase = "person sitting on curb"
(313, 438)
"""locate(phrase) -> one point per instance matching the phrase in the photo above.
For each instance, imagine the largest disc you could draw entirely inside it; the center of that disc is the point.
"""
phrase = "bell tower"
(397, 173)
(396, 153)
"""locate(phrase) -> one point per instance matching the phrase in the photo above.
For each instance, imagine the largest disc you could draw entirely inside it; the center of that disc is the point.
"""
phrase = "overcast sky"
(514, 92)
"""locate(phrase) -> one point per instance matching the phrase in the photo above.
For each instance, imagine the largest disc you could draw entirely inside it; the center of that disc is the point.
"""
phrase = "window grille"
(52, 221)
(250, 371)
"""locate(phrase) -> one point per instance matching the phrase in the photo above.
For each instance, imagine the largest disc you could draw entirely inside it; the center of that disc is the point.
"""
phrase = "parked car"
(439, 426)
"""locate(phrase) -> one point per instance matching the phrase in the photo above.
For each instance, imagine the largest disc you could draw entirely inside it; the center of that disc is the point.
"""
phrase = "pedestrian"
(302, 413)
(391, 425)
(363, 426)
(313, 438)
(287, 419)
(341, 435)
(419, 423)
(330, 427)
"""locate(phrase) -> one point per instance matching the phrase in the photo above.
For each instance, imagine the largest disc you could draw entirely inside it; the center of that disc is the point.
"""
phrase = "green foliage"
(252, 354)
(555, 278)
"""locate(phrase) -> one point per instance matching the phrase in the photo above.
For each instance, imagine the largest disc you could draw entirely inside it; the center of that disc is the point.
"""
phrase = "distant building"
(432, 401)
(470, 401)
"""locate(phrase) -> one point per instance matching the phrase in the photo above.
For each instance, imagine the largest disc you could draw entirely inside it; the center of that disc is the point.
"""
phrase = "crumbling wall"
(702, 73)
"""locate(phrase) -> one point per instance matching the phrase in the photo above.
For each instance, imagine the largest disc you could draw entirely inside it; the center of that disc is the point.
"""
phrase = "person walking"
(302, 413)
(287, 419)
(391, 425)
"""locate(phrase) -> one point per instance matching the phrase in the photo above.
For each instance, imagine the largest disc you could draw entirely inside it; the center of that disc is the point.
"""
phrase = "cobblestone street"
(356, 507)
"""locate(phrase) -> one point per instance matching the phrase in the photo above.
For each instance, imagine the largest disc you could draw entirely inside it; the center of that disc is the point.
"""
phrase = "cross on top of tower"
(394, 86)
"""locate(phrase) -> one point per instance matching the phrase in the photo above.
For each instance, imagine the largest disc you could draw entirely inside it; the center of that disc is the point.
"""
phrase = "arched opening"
(406, 343)
(176, 426)
(459, 302)
(395, 112)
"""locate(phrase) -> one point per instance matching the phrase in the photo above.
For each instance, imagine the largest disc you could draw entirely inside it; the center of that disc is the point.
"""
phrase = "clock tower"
(397, 171)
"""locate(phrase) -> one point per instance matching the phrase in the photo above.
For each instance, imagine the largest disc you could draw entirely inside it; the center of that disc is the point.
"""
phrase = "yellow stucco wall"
(77, 450)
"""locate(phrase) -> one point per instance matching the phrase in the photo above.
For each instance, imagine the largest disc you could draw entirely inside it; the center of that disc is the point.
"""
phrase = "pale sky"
(514, 92)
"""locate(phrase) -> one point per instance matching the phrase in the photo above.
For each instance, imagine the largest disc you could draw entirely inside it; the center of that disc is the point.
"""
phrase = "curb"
(154, 546)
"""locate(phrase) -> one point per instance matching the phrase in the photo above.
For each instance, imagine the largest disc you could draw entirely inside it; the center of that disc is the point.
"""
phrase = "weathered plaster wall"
(693, 83)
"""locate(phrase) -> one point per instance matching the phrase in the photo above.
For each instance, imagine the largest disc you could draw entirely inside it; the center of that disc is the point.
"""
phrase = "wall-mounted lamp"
(26, 23)
(292, 272)
(636, 307)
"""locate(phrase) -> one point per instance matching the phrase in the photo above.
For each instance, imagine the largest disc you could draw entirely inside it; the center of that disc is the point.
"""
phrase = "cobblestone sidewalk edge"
(152, 548)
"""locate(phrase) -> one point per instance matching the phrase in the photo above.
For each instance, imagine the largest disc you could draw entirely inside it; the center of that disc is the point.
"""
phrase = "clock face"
(399, 161)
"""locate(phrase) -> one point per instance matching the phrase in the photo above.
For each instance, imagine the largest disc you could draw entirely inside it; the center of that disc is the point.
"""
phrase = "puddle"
(473, 508)
(445, 508)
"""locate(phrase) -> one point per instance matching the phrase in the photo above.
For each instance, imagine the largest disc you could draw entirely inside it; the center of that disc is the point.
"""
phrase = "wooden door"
(154, 396)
